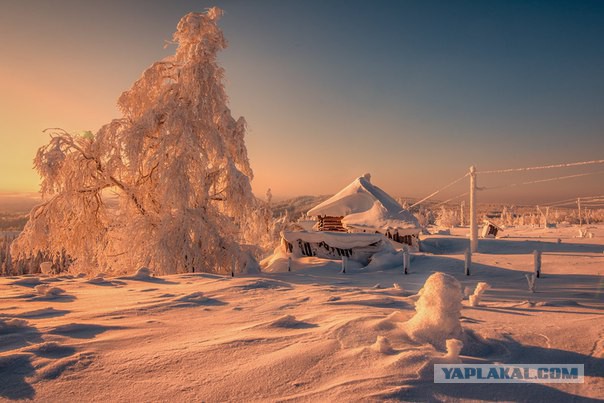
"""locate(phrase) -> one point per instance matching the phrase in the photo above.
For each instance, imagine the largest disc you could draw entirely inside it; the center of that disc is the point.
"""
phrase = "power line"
(452, 198)
(438, 191)
(566, 165)
(542, 180)
(572, 200)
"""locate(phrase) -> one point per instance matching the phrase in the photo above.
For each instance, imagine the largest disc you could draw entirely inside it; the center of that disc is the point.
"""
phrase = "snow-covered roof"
(362, 204)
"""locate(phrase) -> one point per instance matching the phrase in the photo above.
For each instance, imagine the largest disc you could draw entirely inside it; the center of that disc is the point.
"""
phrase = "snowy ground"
(306, 335)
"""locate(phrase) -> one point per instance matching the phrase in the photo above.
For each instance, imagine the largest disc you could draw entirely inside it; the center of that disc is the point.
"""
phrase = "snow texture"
(310, 334)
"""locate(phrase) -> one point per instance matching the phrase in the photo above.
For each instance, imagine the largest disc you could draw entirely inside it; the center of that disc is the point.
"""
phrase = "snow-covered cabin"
(334, 245)
(362, 207)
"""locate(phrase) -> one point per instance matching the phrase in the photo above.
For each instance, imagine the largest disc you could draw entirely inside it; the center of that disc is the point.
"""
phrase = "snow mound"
(12, 325)
(98, 279)
(44, 290)
(382, 345)
(277, 262)
(290, 322)
(143, 273)
(386, 259)
(560, 303)
(262, 284)
(51, 349)
(42, 313)
(195, 297)
(28, 282)
(438, 310)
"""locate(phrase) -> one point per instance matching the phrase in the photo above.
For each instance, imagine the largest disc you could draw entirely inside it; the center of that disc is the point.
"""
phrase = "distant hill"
(297, 206)
(15, 203)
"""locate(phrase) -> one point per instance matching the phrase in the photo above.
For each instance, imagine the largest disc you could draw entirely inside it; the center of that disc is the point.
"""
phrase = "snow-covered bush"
(438, 310)
(177, 161)
(424, 217)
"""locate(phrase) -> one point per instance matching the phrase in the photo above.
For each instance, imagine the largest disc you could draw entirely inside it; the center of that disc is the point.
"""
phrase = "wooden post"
(233, 267)
(467, 262)
(406, 261)
(579, 208)
(344, 261)
(473, 206)
(289, 263)
(537, 262)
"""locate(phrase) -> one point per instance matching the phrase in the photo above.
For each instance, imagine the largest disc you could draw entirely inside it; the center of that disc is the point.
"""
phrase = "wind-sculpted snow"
(313, 334)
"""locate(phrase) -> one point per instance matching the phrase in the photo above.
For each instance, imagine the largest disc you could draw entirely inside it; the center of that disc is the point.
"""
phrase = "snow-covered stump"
(406, 261)
(344, 264)
(537, 262)
(454, 347)
(475, 298)
(438, 310)
(467, 262)
(289, 263)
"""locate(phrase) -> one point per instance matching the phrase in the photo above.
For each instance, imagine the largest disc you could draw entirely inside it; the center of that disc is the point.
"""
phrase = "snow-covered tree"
(176, 161)
(447, 218)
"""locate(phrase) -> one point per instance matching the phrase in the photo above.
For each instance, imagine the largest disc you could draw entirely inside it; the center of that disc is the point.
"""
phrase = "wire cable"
(566, 165)
(438, 191)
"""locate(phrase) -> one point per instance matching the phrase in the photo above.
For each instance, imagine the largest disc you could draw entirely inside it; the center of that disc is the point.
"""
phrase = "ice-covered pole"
(473, 206)
(289, 263)
(344, 262)
(467, 262)
(406, 261)
(537, 262)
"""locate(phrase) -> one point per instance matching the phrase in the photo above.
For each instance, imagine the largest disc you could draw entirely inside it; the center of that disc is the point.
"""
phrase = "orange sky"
(324, 101)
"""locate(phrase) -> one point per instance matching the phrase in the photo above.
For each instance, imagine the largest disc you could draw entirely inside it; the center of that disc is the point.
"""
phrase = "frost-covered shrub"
(437, 311)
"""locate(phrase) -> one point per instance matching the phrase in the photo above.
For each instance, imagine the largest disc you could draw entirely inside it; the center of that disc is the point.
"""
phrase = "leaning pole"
(473, 223)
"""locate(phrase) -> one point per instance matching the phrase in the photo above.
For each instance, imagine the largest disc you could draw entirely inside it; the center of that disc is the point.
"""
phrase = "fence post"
(344, 261)
(289, 263)
(467, 262)
(406, 261)
(537, 262)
